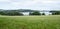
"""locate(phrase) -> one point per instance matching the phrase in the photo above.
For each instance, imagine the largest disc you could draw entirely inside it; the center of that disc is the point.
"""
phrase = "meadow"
(30, 22)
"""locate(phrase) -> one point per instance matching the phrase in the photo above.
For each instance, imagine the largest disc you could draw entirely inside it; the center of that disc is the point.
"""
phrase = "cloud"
(4, 0)
(34, 2)
(31, 4)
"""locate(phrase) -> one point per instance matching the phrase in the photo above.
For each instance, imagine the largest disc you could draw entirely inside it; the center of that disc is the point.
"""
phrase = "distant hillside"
(19, 10)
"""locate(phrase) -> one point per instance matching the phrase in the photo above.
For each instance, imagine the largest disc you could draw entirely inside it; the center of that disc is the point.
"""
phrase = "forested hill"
(19, 10)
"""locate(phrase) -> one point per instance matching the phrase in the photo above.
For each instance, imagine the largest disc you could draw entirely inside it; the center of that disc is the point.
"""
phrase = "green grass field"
(30, 22)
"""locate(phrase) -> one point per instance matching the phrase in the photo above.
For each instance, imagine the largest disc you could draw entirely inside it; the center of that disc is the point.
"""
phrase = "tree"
(1, 13)
(14, 13)
(55, 12)
(43, 13)
(35, 13)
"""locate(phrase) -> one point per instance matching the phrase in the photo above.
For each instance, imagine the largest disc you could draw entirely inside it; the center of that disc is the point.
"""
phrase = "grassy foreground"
(30, 22)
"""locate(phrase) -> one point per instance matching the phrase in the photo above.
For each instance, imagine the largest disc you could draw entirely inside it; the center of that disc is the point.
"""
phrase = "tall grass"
(30, 22)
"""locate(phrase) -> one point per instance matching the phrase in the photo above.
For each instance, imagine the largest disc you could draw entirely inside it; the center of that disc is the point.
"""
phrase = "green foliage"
(35, 13)
(43, 13)
(11, 13)
(55, 12)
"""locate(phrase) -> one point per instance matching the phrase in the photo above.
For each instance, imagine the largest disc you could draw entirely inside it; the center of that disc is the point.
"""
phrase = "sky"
(30, 4)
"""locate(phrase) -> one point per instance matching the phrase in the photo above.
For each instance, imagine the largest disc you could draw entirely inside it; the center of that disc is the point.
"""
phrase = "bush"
(55, 12)
(35, 13)
(43, 13)
(11, 13)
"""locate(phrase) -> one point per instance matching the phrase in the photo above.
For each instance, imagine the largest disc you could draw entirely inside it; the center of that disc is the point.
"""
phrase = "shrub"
(35, 13)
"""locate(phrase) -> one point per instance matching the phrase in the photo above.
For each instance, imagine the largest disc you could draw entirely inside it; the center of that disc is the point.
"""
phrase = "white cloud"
(4, 0)
(28, 3)
(33, 4)
(23, 3)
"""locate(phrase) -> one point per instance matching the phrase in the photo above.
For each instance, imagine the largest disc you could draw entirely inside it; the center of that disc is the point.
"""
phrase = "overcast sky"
(30, 4)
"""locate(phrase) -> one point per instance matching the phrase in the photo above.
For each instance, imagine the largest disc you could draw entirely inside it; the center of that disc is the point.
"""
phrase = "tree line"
(55, 12)
(16, 13)
(11, 13)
